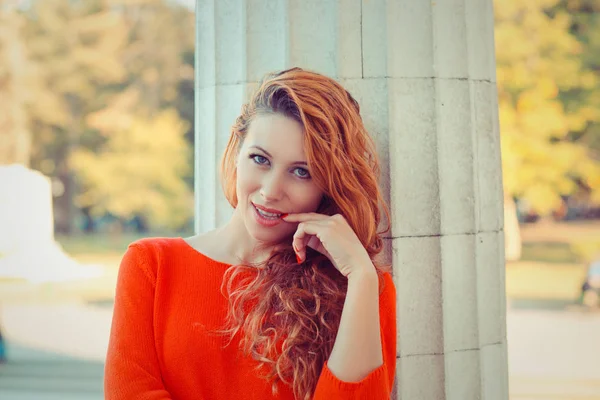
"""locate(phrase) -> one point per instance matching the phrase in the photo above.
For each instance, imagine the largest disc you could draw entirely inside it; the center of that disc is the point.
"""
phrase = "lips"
(269, 210)
(264, 219)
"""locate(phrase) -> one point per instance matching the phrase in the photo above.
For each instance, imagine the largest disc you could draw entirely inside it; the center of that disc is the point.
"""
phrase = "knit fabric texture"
(163, 345)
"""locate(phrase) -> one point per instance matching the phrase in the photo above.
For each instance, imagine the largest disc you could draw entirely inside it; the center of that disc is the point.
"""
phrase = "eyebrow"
(269, 154)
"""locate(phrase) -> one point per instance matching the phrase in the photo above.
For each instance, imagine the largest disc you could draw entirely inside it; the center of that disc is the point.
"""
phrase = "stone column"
(424, 74)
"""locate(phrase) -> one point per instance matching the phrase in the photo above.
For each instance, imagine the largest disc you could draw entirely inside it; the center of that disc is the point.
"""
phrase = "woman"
(285, 301)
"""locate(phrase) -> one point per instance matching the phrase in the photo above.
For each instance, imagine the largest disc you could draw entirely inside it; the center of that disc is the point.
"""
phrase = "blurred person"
(590, 290)
(2, 350)
(287, 299)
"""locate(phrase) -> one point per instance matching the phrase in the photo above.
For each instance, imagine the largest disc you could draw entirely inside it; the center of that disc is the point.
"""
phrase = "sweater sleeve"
(379, 383)
(132, 371)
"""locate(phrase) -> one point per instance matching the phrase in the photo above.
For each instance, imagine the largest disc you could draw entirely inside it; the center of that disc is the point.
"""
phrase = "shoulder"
(150, 253)
(156, 244)
(155, 247)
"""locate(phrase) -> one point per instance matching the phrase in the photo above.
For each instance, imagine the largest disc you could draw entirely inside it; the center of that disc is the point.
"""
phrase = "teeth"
(266, 214)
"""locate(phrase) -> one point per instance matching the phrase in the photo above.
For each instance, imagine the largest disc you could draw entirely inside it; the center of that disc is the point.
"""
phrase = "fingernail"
(296, 252)
(284, 215)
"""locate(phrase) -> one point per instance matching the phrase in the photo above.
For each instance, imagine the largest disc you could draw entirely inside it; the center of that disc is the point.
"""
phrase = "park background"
(98, 96)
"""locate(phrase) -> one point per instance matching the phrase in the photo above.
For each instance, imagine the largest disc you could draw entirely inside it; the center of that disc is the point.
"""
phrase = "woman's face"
(273, 175)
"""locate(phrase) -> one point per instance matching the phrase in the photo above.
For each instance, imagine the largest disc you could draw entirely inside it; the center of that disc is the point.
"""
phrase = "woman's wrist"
(364, 272)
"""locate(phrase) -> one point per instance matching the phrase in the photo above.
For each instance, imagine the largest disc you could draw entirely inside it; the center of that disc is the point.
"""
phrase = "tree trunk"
(15, 138)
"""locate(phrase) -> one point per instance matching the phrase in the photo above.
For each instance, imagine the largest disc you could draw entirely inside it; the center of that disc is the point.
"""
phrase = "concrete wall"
(424, 74)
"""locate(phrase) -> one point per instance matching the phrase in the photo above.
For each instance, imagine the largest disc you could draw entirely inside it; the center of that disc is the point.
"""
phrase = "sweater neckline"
(209, 259)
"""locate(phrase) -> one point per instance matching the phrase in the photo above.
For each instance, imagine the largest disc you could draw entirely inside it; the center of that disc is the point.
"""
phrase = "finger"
(303, 234)
(316, 244)
(299, 242)
(304, 217)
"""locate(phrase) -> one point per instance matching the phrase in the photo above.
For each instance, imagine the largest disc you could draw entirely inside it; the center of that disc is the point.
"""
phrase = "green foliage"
(138, 171)
(74, 47)
(96, 71)
(15, 75)
(585, 17)
(538, 63)
(107, 69)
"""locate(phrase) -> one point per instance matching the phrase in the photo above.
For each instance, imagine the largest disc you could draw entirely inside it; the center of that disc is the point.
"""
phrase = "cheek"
(241, 184)
(246, 181)
(307, 199)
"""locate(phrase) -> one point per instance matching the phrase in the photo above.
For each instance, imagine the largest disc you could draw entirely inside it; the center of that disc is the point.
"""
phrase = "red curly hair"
(288, 315)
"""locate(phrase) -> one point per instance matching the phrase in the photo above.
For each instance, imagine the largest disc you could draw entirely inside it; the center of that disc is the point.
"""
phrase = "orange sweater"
(168, 301)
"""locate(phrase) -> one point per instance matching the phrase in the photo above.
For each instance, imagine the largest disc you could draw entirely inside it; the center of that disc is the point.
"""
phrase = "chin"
(264, 234)
(261, 233)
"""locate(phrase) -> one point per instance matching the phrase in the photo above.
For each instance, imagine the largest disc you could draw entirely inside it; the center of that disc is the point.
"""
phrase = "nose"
(272, 187)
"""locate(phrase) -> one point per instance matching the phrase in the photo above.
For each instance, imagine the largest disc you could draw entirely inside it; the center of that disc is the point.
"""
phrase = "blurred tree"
(585, 25)
(539, 62)
(109, 67)
(159, 59)
(137, 173)
(76, 45)
(15, 69)
(161, 36)
(160, 76)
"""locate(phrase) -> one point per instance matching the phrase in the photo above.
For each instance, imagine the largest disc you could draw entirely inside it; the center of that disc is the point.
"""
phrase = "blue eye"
(304, 175)
(260, 160)
(301, 173)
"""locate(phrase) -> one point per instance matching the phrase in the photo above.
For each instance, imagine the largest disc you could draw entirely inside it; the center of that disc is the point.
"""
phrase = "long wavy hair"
(288, 315)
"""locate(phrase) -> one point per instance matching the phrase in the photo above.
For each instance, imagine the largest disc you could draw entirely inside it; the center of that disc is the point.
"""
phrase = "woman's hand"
(333, 237)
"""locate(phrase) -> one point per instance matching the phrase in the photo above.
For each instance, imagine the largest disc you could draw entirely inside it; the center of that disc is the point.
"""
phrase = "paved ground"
(33, 374)
(57, 352)
(554, 355)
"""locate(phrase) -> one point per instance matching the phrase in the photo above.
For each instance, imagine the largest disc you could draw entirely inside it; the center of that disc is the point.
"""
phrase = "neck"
(240, 244)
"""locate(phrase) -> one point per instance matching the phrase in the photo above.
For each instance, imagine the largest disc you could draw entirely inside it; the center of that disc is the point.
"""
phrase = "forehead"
(281, 136)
